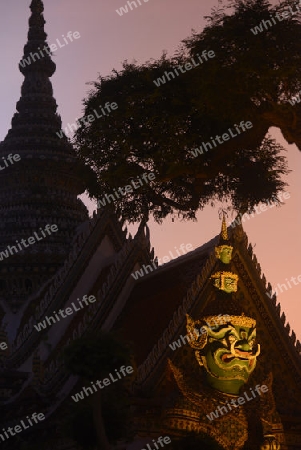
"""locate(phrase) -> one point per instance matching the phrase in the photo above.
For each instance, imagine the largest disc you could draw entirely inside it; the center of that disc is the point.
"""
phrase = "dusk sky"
(107, 39)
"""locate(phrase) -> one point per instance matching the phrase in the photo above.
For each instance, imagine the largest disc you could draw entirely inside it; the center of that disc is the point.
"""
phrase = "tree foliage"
(96, 355)
(251, 78)
(105, 413)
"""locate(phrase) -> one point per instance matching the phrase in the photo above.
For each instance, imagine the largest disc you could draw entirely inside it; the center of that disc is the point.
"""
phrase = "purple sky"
(108, 39)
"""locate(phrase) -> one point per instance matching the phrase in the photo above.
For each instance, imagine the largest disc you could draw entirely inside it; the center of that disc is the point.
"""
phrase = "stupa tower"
(42, 187)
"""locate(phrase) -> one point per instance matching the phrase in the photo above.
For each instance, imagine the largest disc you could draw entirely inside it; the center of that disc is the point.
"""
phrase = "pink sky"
(108, 39)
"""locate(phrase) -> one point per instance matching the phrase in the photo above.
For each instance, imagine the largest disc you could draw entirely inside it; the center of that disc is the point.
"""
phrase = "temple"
(214, 356)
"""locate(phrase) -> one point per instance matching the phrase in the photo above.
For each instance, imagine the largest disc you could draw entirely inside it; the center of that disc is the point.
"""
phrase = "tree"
(94, 357)
(157, 129)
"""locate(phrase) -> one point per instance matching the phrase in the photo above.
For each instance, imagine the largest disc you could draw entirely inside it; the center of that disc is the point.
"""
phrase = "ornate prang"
(36, 44)
(43, 186)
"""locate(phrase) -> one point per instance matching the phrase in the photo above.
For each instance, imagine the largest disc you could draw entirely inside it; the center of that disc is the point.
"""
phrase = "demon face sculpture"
(227, 351)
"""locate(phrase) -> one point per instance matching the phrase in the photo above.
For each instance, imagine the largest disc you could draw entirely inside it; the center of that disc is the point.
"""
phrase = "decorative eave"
(161, 348)
(97, 314)
(53, 298)
(246, 251)
(54, 375)
(46, 297)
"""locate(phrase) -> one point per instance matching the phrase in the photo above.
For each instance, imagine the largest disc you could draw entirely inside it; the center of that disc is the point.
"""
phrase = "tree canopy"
(158, 127)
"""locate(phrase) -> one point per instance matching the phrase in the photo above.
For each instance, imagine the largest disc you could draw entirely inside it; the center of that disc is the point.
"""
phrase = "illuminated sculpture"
(224, 251)
(228, 354)
(225, 281)
(225, 346)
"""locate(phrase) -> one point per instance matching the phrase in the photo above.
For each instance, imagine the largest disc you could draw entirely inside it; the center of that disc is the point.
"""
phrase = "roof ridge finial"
(223, 251)
(37, 6)
(224, 230)
(224, 280)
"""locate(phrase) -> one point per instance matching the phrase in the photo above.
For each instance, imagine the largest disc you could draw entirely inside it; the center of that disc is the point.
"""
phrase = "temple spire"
(37, 55)
(36, 19)
(37, 7)
(43, 186)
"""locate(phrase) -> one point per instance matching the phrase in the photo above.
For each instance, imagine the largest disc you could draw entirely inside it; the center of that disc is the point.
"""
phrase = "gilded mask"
(227, 352)
(224, 253)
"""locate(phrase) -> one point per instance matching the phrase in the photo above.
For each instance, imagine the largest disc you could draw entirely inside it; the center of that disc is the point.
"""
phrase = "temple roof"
(157, 295)
(155, 313)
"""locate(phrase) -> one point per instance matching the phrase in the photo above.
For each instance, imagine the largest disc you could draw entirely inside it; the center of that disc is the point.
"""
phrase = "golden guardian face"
(224, 253)
(228, 353)
(225, 281)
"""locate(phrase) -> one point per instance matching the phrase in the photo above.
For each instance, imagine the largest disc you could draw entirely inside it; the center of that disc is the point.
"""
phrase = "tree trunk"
(102, 439)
